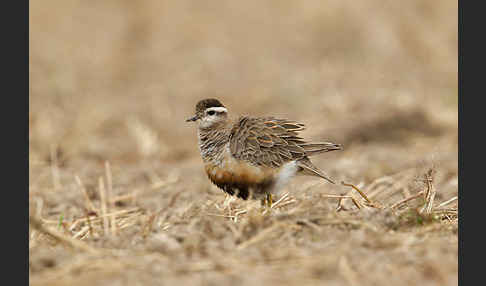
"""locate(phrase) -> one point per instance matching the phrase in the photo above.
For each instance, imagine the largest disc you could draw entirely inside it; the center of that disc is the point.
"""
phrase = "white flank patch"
(288, 171)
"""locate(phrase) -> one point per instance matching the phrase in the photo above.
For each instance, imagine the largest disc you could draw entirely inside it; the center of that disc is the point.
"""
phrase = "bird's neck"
(212, 142)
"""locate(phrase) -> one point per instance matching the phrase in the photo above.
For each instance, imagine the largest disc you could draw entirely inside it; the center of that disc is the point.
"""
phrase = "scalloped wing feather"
(272, 142)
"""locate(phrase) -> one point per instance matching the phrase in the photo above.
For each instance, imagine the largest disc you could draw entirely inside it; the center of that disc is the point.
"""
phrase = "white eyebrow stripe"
(217, 109)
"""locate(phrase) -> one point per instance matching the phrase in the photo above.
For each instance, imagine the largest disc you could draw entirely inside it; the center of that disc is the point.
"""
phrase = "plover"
(253, 157)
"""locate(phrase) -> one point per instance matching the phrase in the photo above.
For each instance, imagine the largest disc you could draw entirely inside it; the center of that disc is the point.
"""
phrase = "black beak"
(194, 118)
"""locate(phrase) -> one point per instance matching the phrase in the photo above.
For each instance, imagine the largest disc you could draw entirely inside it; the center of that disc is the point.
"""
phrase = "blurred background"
(115, 80)
(96, 67)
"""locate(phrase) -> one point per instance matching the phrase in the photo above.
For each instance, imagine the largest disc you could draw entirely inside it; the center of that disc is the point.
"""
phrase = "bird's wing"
(272, 142)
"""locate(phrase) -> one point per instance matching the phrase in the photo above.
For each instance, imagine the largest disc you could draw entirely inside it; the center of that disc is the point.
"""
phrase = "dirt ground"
(118, 195)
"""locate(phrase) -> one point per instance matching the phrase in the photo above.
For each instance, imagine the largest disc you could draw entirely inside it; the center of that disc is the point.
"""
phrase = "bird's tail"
(307, 168)
(320, 147)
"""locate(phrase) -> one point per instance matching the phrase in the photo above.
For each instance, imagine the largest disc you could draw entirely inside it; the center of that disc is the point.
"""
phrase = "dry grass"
(117, 191)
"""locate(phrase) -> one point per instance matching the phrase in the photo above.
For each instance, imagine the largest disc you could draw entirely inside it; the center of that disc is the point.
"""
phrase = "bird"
(253, 157)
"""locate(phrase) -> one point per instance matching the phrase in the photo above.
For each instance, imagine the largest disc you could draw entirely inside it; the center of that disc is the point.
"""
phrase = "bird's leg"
(269, 201)
(264, 201)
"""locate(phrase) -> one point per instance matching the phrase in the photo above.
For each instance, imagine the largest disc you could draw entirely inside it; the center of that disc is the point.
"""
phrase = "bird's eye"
(211, 112)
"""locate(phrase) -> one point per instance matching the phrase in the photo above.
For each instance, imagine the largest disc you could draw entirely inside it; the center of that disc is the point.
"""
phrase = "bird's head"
(210, 112)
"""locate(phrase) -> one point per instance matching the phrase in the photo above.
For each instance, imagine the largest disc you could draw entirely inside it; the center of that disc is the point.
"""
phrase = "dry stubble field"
(117, 191)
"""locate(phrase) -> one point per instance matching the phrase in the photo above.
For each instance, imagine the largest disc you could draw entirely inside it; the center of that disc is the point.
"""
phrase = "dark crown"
(207, 103)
